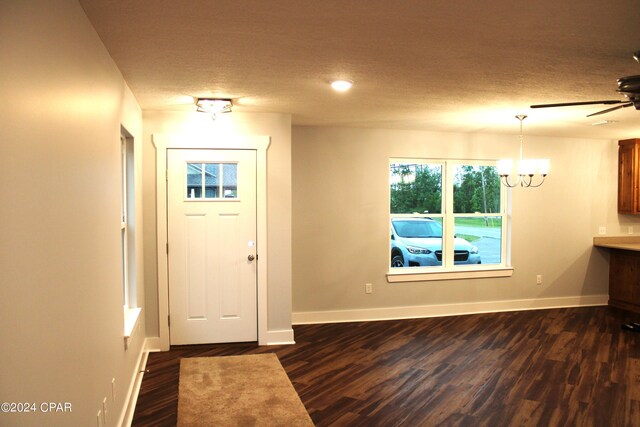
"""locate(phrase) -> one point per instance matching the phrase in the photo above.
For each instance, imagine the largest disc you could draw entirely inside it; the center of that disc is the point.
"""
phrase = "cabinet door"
(624, 279)
(621, 276)
(627, 182)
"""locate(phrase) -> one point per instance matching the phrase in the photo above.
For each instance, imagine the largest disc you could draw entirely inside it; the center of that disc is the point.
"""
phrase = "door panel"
(211, 232)
(195, 268)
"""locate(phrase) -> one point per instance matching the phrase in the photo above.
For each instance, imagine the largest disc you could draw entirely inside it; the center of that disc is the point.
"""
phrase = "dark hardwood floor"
(559, 367)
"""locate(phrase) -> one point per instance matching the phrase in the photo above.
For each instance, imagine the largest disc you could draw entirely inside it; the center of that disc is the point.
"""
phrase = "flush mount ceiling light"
(214, 106)
(341, 85)
(526, 171)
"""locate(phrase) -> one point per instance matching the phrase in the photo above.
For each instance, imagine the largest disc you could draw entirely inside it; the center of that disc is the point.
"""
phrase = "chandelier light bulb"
(505, 167)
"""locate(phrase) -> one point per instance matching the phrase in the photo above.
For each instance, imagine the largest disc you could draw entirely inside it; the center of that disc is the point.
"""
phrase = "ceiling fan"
(628, 86)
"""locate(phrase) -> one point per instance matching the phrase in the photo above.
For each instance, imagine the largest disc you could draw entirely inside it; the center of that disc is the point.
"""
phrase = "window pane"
(476, 189)
(212, 180)
(415, 188)
(416, 242)
(125, 290)
(478, 240)
(123, 174)
(230, 180)
(194, 180)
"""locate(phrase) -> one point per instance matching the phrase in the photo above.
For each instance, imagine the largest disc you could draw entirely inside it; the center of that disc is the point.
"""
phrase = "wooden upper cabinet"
(628, 176)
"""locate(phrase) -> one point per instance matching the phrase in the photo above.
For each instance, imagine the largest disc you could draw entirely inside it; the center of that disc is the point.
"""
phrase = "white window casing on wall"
(449, 219)
(131, 311)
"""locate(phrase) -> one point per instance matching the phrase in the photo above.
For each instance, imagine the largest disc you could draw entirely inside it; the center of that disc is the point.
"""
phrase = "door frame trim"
(164, 142)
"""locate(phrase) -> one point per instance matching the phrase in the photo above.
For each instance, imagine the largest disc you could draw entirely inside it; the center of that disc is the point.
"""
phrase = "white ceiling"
(444, 65)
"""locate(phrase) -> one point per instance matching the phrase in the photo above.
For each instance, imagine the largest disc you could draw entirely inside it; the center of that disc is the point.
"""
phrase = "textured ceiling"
(444, 65)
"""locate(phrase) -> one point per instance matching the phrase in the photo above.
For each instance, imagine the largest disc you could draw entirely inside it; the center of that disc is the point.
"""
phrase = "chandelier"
(523, 172)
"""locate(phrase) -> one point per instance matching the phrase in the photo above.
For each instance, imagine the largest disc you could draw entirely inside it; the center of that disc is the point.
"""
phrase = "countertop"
(628, 243)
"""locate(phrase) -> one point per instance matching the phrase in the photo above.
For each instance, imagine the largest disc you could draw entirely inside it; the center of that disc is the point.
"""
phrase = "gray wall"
(340, 219)
(61, 317)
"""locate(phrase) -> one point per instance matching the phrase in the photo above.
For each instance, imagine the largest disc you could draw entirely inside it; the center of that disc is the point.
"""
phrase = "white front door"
(211, 209)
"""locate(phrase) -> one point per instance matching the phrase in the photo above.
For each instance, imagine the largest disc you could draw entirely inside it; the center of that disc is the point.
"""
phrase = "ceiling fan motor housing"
(629, 84)
(630, 87)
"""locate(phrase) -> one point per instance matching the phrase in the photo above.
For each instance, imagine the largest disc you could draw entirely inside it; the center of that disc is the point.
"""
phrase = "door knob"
(251, 257)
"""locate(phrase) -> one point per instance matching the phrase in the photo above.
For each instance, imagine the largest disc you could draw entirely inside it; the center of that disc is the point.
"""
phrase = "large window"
(126, 154)
(127, 235)
(446, 215)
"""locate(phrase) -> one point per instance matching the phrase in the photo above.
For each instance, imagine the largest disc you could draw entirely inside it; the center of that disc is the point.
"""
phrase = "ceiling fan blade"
(571, 104)
(628, 104)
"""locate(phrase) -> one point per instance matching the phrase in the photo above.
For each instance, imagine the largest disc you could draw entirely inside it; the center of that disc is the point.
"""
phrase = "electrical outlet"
(368, 288)
(602, 230)
(539, 279)
(630, 230)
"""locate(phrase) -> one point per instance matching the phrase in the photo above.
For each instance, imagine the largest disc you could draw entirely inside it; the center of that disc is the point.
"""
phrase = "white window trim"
(477, 273)
(130, 310)
(124, 232)
(130, 322)
(449, 271)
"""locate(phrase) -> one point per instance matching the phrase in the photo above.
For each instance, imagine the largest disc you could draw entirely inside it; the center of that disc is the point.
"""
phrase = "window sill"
(424, 276)
(130, 322)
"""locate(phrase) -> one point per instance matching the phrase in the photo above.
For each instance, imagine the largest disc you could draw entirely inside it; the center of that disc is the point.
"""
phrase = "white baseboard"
(152, 344)
(411, 312)
(126, 417)
(281, 337)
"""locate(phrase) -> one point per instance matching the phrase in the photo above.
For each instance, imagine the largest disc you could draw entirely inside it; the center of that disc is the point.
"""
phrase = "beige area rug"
(252, 390)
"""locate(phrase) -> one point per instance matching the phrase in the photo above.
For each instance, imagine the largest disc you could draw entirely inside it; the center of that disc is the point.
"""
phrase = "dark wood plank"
(560, 367)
